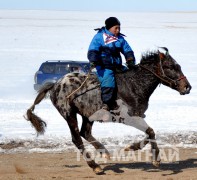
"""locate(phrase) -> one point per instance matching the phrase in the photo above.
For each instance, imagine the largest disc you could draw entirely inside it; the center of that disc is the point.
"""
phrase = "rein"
(82, 84)
(88, 76)
(163, 76)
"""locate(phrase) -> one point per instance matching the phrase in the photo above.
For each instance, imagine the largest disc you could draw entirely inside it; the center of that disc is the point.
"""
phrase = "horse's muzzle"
(186, 90)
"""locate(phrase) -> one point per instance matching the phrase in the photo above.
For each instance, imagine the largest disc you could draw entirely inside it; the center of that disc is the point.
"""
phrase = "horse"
(77, 93)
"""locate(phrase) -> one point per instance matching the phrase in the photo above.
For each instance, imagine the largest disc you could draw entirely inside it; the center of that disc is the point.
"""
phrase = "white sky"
(102, 5)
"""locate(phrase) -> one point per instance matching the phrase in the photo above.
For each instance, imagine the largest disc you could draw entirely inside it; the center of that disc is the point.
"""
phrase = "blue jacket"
(105, 49)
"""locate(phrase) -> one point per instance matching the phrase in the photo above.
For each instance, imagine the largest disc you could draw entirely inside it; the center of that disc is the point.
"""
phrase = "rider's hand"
(130, 63)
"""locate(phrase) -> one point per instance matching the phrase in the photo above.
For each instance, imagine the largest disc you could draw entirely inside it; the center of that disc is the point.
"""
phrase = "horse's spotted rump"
(82, 98)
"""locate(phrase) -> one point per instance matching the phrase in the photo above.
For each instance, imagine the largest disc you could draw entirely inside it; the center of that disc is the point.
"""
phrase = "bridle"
(162, 76)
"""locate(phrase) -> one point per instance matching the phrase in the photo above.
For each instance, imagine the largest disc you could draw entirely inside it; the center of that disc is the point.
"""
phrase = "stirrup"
(105, 107)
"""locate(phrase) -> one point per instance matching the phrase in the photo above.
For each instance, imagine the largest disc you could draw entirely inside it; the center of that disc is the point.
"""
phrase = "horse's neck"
(136, 85)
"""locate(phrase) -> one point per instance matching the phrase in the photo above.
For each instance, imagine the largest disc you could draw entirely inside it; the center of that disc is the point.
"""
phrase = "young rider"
(104, 54)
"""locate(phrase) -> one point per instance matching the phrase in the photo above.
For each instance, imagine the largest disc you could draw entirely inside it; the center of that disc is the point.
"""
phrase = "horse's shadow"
(175, 167)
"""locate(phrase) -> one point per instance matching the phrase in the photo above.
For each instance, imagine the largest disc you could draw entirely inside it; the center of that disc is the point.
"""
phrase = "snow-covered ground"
(30, 37)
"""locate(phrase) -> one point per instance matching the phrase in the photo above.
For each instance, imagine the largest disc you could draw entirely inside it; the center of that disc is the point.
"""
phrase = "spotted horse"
(134, 88)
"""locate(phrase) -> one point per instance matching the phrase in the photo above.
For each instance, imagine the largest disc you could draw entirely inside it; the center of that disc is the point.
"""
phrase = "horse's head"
(169, 71)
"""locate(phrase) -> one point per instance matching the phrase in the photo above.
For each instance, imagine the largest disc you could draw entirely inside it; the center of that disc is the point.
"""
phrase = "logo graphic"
(109, 39)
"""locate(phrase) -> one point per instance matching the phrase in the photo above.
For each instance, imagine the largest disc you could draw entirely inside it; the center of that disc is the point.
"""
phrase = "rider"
(104, 55)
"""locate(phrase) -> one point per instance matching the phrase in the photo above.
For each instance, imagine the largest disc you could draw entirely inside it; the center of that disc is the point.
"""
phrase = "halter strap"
(163, 77)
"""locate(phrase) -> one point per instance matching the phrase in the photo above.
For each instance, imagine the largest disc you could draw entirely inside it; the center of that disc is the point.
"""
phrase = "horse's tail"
(36, 121)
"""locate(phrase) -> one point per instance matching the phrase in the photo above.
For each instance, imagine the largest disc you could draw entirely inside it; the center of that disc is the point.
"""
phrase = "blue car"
(51, 71)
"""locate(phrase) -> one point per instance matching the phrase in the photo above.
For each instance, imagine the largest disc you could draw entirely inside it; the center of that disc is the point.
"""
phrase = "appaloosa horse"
(134, 89)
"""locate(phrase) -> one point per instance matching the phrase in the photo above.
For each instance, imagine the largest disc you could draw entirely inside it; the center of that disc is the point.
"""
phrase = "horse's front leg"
(138, 145)
(76, 139)
(86, 133)
(154, 148)
(141, 124)
(138, 123)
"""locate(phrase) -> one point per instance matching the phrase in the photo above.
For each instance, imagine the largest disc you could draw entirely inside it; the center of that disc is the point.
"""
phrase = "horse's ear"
(164, 50)
(161, 55)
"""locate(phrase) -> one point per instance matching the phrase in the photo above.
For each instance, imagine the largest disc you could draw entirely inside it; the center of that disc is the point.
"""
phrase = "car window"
(86, 67)
(75, 68)
(62, 69)
(48, 68)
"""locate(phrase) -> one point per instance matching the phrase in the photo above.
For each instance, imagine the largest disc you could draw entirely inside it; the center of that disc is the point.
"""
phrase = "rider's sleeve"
(93, 51)
(127, 51)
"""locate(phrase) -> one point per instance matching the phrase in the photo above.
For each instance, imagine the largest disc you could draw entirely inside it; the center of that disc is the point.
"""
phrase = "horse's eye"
(171, 67)
(167, 65)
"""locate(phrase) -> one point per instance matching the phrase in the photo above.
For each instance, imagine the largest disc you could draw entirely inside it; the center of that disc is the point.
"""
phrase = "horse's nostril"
(187, 89)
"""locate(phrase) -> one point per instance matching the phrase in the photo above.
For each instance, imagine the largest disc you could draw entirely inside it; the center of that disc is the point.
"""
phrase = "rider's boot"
(102, 115)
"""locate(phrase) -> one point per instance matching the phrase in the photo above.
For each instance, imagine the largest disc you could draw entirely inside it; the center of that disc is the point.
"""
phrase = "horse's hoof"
(106, 156)
(156, 163)
(128, 148)
(98, 170)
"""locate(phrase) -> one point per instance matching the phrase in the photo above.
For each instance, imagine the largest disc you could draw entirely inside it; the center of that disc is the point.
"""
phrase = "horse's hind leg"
(86, 133)
(76, 139)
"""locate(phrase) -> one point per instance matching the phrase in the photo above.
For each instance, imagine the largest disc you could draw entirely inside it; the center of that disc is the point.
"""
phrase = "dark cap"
(111, 21)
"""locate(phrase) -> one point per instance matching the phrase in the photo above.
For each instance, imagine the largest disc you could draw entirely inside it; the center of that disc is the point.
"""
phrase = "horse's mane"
(149, 57)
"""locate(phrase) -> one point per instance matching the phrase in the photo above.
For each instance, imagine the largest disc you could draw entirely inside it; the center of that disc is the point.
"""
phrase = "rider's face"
(115, 30)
